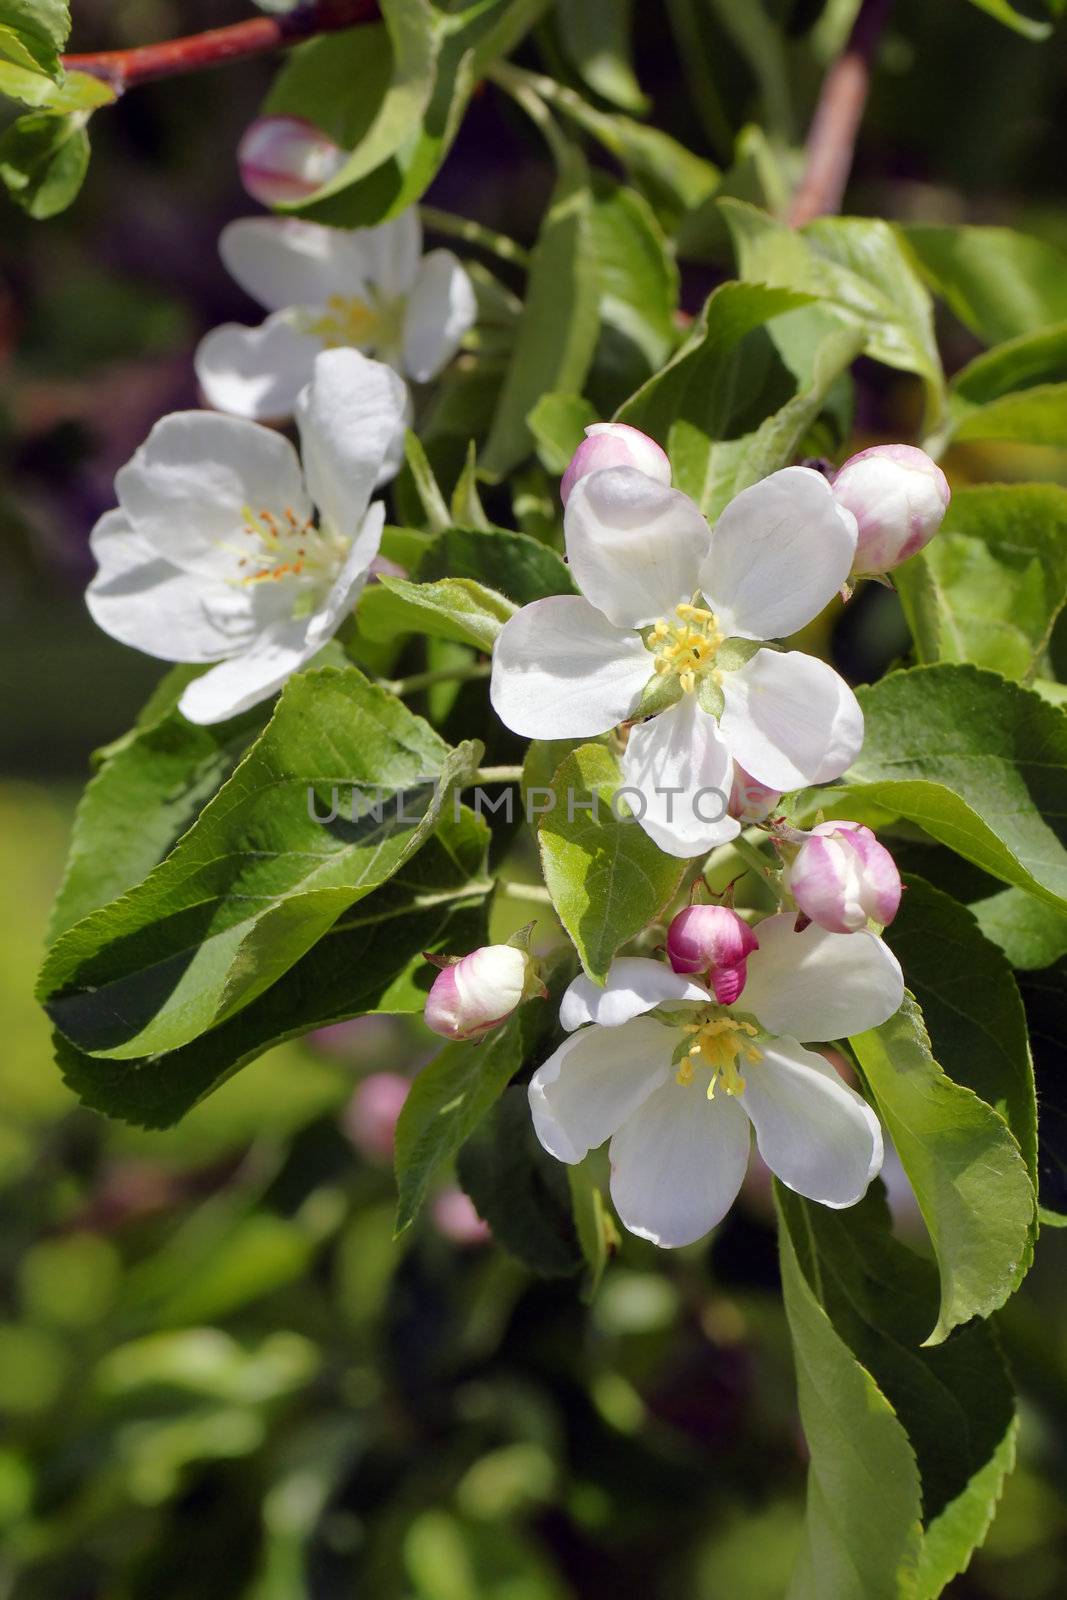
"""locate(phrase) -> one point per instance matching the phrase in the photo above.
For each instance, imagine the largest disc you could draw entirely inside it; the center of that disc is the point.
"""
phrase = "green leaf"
(451, 608)
(970, 1003)
(715, 388)
(1044, 995)
(43, 161)
(438, 516)
(257, 880)
(638, 284)
(1004, 12)
(1037, 415)
(557, 330)
(978, 762)
(512, 563)
(1030, 933)
(1019, 363)
(33, 33)
(862, 1531)
(859, 266)
(607, 879)
(598, 1235)
(145, 795)
(448, 1100)
(963, 1163)
(999, 283)
(997, 573)
(520, 1190)
(558, 423)
(953, 1404)
(595, 36)
(370, 961)
(467, 508)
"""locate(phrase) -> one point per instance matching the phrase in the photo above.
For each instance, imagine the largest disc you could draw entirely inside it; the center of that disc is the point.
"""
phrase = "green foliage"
(1001, 284)
(606, 877)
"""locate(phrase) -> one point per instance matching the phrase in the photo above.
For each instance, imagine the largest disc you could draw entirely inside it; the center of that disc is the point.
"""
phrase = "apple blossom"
(366, 288)
(669, 626)
(615, 444)
(751, 801)
(472, 996)
(714, 941)
(286, 158)
(215, 554)
(898, 497)
(842, 878)
(647, 1067)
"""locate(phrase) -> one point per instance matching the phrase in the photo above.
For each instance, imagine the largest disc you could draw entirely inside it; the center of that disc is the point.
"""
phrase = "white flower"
(674, 1080)
(572, 666)
(215, 554)
(371, 289)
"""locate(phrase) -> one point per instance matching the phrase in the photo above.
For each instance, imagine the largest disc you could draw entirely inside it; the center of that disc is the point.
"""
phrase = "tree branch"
(122, 69)
(832, 135)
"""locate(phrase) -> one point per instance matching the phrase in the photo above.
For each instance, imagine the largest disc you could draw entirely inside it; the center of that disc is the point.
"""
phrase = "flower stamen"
(720, 1043)
(685, 644)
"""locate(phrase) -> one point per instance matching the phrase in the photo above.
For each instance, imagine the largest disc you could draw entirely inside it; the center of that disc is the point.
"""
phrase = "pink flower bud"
(615, 444)
(898, 497)
(751, 801)
(286, 158)
(371, 1114)
(841, 878)
(456, 1219)
(714, 941)
(471, 997)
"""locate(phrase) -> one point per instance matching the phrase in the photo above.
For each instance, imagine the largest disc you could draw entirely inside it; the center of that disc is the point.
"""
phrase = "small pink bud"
(751, 801)
(716, 942)
(615, 444)
(286, 158)
(371, 1114)
(473, 996)
(898, 497)
(841, 878)
(456, 1219)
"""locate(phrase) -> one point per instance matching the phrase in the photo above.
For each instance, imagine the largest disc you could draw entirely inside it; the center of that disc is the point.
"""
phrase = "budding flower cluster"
(615, 444)
(842, 879)
(474, 995)
(714, 942)
(898, 497)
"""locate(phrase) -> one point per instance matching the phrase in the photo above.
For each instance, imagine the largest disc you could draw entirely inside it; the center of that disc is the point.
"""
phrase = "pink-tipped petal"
(284, 159)
(898, 496)
(715, 941)
(842, 878)
(615, 444)
(473, 996)
(751, 801)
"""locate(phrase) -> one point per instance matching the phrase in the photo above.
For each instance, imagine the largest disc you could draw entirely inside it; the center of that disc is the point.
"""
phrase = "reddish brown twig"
(832, 136)
(124, 68)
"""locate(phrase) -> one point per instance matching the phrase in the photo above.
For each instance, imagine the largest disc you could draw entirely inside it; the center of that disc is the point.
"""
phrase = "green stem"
(525, 891)
(524, 88)
(751, 856)
(426, 680)
(474, 233)
(495, 775)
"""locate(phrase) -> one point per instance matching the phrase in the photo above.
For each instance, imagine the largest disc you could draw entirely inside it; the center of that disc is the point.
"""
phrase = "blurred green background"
(219, 1377)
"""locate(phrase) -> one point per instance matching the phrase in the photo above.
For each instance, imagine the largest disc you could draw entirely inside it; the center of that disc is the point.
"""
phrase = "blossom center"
(685, 644)
(286, 546)
(349, 320)
(720, 1043)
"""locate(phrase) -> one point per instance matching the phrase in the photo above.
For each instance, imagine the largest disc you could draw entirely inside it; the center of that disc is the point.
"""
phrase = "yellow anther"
(685, 643)
(719, 1044)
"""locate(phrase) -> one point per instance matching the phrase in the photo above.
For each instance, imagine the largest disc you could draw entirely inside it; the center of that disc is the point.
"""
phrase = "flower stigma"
(720, 1043)
(685, 644)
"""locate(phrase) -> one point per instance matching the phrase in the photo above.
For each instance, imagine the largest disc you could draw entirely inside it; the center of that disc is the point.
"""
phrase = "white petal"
(635, 546)
(790, 719)
(351, 417)
(561, 671)
(682, 769)
(677, 1164)
(282, 261)
(188, 488)
(594, 1081)
(255, 372)
(144, 601)
(390, 252)
(817, 985)
(779, 553)
(441, 308)
(635, 984)
(815, 1133)
(245, 680)
(349, 582)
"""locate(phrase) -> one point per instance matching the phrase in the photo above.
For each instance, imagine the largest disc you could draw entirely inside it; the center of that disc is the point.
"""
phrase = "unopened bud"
(370, 1116)
(474, 995)
(898, 497)
(751, 801)
(615, 444)
(842, 878)
(456, 1219)
(715, 942)
(286, 158)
